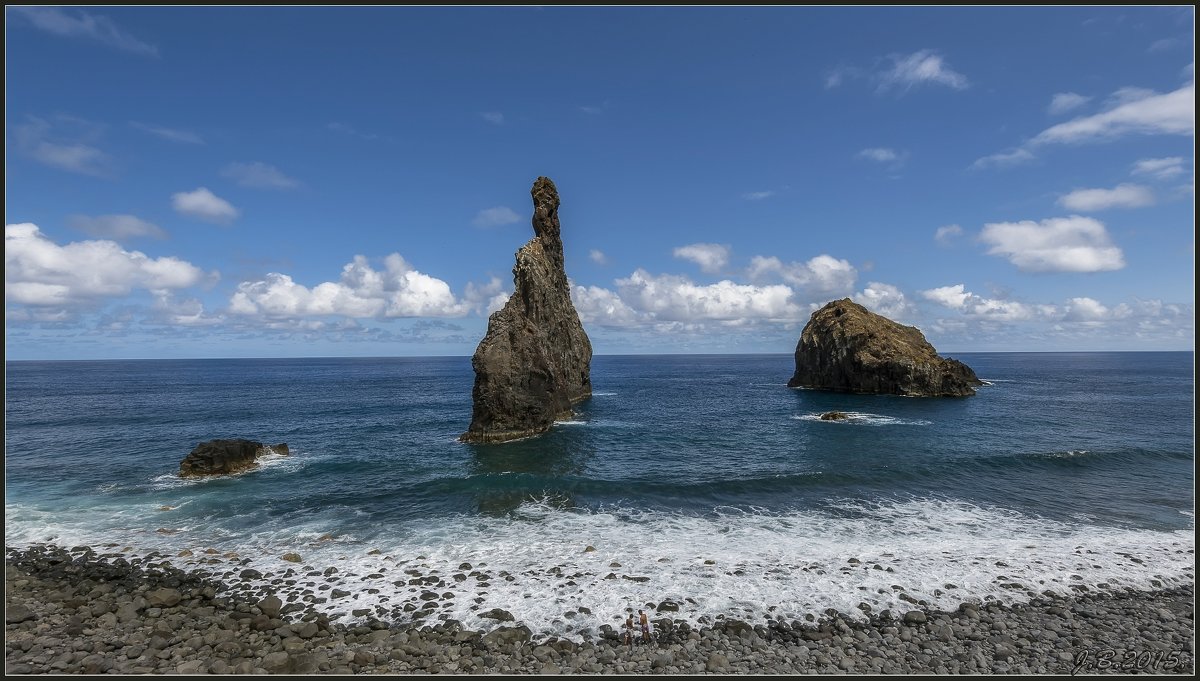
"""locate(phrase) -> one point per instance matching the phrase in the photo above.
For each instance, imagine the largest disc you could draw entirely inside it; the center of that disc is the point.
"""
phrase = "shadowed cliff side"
(535, 360)
(847, 348)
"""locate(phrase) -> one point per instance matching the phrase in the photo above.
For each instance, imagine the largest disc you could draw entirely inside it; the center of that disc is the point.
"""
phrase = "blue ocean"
(698, 479)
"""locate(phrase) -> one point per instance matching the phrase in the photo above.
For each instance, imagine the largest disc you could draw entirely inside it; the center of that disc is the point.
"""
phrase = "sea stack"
(847, 348)
(534, 363)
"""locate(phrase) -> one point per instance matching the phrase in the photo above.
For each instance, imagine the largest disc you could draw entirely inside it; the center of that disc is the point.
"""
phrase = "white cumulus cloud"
(38, 271)
(1082, 310)
(671, 303)
(486, 298)
(600, 306)
(1121, 196)
(169, 310)
(676, 298)
(999, 310)
(1070, 244)
(977, 307)
(948, 296)
(1082, 318)
(886, 300)
(597, 256)
(398, 290)
(710, 257)
(823, 274)
(1086, 310)
(204, 205)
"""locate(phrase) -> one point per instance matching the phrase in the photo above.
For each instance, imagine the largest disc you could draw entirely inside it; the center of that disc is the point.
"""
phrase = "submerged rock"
(834, 416)
(222, 457)
(846, 348)
(534, 363)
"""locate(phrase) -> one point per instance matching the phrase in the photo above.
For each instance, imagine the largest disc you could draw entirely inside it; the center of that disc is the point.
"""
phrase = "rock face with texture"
(222, 457)
(846, 348)
(534, 363)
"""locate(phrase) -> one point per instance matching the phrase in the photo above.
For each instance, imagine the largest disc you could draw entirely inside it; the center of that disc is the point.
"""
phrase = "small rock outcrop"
(222, 457)
(834, 416)
(847, 348)
(534, 363)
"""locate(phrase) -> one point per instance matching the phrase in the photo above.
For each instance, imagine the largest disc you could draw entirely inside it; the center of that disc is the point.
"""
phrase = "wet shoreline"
(85, 610)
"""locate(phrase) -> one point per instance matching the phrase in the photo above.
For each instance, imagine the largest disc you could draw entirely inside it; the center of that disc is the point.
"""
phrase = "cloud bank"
(39, 272)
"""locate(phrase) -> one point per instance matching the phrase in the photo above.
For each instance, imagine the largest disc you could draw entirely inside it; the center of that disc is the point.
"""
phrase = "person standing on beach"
(629, 630)
(645, 621)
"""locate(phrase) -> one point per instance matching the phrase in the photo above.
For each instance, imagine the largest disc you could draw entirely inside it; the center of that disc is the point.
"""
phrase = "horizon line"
(621, 354)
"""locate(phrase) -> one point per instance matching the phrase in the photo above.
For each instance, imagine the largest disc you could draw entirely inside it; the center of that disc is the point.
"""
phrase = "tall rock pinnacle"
(847, 348)
(535, 360)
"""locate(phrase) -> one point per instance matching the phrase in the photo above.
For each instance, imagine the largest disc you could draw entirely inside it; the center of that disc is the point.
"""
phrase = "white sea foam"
(1069, 454)
(864, 419)
(570, 423)
(744, 564)
(292, 461)
(603, 394)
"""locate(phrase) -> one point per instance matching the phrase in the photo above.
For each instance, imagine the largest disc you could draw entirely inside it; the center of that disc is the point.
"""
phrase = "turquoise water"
(675, 461)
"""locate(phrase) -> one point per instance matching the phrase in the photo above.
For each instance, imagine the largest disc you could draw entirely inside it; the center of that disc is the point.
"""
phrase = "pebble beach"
(85, 610)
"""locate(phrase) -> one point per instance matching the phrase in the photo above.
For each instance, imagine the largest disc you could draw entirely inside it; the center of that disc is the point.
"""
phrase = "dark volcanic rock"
(222, 457)
(846, 348)
(834, 416)
(535, 360)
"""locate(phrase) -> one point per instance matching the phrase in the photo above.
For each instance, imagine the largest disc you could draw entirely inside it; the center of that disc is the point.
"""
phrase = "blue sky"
(258, 182)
